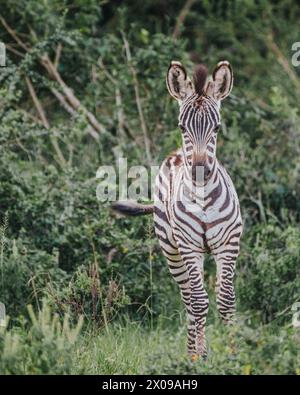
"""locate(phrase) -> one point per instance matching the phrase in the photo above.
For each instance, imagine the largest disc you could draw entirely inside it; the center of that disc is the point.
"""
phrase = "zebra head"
(199, 112)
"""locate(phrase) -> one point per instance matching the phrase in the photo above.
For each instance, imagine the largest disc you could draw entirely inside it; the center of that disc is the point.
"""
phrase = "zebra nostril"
(206, 172)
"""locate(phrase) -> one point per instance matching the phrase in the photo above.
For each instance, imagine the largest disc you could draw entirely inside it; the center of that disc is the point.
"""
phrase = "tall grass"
(130, 348)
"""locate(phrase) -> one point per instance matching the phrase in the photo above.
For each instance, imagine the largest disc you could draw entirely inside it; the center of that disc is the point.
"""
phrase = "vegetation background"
(84, 84)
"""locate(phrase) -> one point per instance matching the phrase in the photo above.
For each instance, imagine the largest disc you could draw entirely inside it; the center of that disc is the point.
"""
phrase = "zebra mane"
(199, 78)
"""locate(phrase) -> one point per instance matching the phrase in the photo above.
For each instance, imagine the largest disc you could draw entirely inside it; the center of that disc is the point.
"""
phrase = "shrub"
(268, 278)
(41, 346)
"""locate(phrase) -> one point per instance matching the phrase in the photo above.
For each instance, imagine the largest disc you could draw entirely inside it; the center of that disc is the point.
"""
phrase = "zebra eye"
(182, 128)
(217, 128)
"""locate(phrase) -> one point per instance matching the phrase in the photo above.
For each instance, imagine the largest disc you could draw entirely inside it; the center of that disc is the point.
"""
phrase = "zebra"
(197, 213)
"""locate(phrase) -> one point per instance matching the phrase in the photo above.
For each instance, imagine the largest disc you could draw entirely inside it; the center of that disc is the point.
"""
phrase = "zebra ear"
(178, 83)
(222, 80)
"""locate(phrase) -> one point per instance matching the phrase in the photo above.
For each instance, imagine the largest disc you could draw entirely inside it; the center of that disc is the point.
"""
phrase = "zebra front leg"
(224, 287)
(180, 274)
(177, 268)
(199, 298)
(225, 293)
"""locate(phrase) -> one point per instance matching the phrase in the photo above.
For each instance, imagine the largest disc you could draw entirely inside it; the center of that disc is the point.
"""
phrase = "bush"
(41, 346)
(57, 242)
(268, 278)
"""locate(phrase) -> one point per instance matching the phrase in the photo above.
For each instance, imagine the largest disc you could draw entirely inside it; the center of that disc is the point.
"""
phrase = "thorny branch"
(281, 59)
(67, 99)
(45, 122)
(181, 18)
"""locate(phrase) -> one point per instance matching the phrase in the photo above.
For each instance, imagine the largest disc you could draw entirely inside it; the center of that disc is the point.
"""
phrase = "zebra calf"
(194, 215)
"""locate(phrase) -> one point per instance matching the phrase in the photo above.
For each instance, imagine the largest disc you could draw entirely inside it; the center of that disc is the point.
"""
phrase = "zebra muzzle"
(200, 171)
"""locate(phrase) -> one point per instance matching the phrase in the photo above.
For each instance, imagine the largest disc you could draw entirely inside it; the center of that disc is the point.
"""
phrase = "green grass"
(47, 345)
(134, 349)
(125, 349)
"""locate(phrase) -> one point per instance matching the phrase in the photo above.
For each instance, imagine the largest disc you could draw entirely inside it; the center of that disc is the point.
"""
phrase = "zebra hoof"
(194, 358)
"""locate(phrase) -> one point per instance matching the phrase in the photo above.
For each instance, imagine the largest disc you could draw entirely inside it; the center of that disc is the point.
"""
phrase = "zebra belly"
(189, 227)
(205, 231)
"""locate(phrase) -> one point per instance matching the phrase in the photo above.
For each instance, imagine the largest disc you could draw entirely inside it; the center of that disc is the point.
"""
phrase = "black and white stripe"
(184, 235)
(192, 215)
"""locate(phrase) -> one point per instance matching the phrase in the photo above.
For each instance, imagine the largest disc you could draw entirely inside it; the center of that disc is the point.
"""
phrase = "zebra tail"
(132, 208)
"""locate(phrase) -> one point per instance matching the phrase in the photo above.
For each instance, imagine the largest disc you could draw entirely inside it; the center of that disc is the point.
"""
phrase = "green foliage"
(42, 346)
(269, 280)
(60, 244)
(130, 349)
